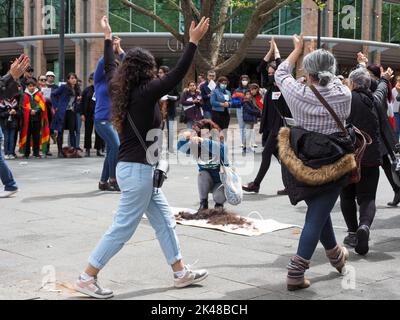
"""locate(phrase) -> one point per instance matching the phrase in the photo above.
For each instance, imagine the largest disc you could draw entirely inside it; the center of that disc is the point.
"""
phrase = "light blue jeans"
(138, 197)
(5, 174)
(242, 125)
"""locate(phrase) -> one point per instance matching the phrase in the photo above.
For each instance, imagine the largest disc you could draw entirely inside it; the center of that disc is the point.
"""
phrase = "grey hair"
(320, 65)
(360, 78)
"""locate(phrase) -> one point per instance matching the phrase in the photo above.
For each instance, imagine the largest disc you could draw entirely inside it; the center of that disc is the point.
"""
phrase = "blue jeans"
(242, 125)
(110, 136)
(138, 197)
(207, 114)
(397, 119)
(171, 133)
(318, 225)
(5, 174)
(77, 133)
(189, 124)
(9, 136)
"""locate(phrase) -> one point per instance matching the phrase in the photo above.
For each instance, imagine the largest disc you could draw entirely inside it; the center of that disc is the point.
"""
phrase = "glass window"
(285, 21)
(347, 19)
(70, 16)
(11, 18)
(391, 22)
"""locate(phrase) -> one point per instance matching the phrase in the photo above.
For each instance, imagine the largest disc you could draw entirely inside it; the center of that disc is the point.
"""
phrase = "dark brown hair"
(137, 69)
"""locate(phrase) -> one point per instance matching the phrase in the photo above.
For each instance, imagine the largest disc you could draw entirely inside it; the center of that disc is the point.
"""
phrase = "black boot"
(396, 200)
(203, 204)
(251, 187)
(87, 153)
(218, 206)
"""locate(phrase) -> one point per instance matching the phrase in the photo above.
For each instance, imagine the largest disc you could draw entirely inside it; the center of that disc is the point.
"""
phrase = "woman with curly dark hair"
(135, 90)
(206, 145)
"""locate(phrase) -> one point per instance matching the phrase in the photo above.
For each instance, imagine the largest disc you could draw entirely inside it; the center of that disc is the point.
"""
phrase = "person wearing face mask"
(221, 100)
(274, 109)
(239, 96)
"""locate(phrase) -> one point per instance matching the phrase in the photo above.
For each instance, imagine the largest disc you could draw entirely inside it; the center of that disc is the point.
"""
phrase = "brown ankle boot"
(295, 278)
(338, 257)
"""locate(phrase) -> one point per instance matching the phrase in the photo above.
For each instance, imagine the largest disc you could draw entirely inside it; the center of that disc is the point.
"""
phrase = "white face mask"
(245, 83)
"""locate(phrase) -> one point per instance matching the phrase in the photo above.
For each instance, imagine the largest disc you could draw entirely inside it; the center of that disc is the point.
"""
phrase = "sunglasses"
(42, 79)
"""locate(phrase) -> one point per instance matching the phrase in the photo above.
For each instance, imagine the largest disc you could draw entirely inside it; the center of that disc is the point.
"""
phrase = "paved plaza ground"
(49, 229)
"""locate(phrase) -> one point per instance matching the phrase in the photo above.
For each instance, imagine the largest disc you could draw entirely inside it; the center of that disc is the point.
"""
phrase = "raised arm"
(8, 83)
(161, 87)
(381, 92)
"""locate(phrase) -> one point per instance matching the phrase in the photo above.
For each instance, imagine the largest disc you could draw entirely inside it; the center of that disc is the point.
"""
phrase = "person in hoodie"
(35, 131)
(250, 114)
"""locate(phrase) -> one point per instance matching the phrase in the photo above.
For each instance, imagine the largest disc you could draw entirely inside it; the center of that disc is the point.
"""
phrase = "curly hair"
(137, 69)
(206, 124)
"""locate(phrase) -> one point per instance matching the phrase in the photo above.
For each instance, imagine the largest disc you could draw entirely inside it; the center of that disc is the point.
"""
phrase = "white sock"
(85, 276)
(180, 274)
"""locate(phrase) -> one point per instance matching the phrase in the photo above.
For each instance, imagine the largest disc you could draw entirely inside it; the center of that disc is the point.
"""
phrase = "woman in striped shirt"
(311, 115)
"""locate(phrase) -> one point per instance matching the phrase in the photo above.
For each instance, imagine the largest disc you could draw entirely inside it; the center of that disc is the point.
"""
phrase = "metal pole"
(61, 57)
(319, 29)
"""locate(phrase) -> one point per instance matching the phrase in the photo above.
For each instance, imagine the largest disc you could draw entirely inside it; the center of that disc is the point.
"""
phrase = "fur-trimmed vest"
(312, 163)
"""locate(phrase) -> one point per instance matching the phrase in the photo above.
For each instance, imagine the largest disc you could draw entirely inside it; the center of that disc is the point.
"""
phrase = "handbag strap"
(137, 132)
(328, 107)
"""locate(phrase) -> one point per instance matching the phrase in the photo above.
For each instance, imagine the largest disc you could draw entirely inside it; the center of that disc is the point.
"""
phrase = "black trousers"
(387, 167)
(222, 119)
(34, 135)
(98, 142)
(365, 193)
(70, 125)
(270, 148)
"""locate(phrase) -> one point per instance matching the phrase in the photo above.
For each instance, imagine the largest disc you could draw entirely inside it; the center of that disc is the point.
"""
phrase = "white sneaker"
(7, 194)
(11, 157)
(92, 288)
(190, 277)
(6, 157)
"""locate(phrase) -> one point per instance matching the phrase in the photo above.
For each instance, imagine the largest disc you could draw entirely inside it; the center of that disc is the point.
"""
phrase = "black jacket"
(87, 103)
(8, 87)
(274, 109)
(8, 121)
(364, 116)
(388, 137)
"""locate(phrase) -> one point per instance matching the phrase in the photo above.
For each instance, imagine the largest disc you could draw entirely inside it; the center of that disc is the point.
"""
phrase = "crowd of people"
(307, 123)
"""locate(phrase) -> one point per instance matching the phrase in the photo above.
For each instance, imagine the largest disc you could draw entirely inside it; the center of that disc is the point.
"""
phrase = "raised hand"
(298, 42)
(19, 66)
(388, 74)
(362, 59)
(106, 27)
(196, 33)
(312, 46)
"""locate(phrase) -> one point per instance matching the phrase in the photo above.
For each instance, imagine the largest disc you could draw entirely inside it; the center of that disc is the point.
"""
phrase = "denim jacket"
(218, 97)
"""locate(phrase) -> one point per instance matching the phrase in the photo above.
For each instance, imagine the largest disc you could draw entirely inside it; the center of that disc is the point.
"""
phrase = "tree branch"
(174, 4)
(230, 17)
(195, 10)
(151, 15)
(258, 19)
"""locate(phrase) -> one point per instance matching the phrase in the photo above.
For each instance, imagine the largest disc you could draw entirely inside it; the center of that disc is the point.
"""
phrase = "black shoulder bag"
(162, 166)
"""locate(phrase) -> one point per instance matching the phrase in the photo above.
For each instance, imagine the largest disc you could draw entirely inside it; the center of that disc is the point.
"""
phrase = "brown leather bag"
(361, 138)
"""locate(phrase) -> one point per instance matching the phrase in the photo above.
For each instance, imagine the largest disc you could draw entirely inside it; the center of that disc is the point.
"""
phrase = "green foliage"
(321, 4)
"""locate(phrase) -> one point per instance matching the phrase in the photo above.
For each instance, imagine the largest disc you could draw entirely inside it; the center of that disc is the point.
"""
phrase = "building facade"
(348, 26)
